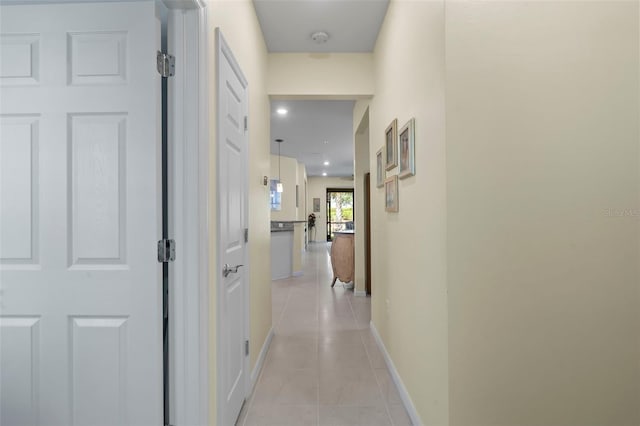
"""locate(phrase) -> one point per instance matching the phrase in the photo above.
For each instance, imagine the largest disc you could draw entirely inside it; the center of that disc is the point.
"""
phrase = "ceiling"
(287, 25)
(305, 129)
(352, 25)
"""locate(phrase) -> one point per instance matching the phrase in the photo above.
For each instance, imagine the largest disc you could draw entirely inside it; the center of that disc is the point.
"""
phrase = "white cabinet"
(281, 254)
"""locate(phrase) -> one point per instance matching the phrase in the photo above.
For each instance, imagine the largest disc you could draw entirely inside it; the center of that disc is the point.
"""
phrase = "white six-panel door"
(233, 145)
(80, 285)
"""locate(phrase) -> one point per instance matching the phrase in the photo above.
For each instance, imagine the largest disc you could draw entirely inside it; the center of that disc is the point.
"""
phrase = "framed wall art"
(391, 194)
(391, 145)
(379, 170)
(407, 150)
(316, 205)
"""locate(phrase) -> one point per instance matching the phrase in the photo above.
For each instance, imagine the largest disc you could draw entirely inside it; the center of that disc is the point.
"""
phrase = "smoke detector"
(320, 37)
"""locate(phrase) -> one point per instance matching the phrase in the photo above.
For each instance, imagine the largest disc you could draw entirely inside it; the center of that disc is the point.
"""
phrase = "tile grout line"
(318, 341)
(373, 370)
(286, 303)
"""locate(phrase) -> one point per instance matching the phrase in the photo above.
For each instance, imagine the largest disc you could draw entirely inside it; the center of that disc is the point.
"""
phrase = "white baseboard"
(360, 293)
(298, 274)
(260, 362)
(404, 394)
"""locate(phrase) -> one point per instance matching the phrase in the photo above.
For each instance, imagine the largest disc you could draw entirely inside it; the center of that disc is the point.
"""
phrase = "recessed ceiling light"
(324, 173)
(326, 163)
(282, 111)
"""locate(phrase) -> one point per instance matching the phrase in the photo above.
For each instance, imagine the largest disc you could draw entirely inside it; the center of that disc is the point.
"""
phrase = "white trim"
(223, 49)
(203, 200)
(360, 293)
(404, 394)
(260, 361)
(297, 274)
(188, 171)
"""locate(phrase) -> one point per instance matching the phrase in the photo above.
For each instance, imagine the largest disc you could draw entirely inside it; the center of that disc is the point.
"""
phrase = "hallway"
(323, 366)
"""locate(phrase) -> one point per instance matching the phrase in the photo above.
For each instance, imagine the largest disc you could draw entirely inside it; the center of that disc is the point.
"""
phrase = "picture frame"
(316, 205)
(391, 194)
(391, 145)
(379, 169)
(407, 156)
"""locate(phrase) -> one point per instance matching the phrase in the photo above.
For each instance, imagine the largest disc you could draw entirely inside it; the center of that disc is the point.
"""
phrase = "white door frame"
(223, 49)
(187, 41)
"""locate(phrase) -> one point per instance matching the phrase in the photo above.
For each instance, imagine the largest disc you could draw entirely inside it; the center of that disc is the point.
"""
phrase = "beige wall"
(336, 75)
(409, 269)
(301, 179)
(299, 228)
(292, 173)
(289, 179)
(361, 167)
(240, 27)
(542, 139)
(317, 188)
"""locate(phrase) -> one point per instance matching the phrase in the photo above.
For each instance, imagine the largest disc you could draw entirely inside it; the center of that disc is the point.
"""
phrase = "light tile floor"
(323, 366)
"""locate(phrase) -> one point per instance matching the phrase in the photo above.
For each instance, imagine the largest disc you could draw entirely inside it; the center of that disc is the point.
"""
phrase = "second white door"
(233, 149)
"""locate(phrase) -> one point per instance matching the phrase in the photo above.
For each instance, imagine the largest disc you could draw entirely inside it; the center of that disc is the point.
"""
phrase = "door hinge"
(246, 235)
(246, 348)
(166, 251)
(246, 123)
(166, 64)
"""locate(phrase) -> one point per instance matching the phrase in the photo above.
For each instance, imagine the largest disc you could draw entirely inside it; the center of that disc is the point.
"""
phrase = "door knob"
(228, 269)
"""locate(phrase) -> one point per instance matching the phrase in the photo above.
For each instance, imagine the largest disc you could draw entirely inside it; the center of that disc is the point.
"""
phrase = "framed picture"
(316, 205)
(407, 150)
(391, 194)
(379, 170)
(391, 145)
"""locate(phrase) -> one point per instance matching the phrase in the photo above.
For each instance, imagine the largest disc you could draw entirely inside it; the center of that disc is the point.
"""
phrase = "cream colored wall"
(299, 228)
(292, 173)
(241, 29)
(409, 268)
(542, 139)
(361, 167)
(289, 178)
(317, 188)
(301, 176)
(334, 75)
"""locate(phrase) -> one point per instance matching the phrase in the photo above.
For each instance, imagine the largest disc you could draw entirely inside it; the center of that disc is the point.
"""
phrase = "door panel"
(233, 153)
(20, 346)
(80, 285)
(19, 189)
(97, 180)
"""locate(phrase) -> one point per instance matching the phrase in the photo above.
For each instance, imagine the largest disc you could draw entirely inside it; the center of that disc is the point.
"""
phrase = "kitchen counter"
(286, 239)
(284, 225)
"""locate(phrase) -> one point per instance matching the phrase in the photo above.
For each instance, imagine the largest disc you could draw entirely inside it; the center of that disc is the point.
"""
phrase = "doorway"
(367, 231)
(340, 210)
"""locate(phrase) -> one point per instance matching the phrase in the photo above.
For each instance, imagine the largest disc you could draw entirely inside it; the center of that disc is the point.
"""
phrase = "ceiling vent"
(320, 37)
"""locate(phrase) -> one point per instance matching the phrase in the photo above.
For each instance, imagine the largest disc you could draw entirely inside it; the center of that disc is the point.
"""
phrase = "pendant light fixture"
(279, 186)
